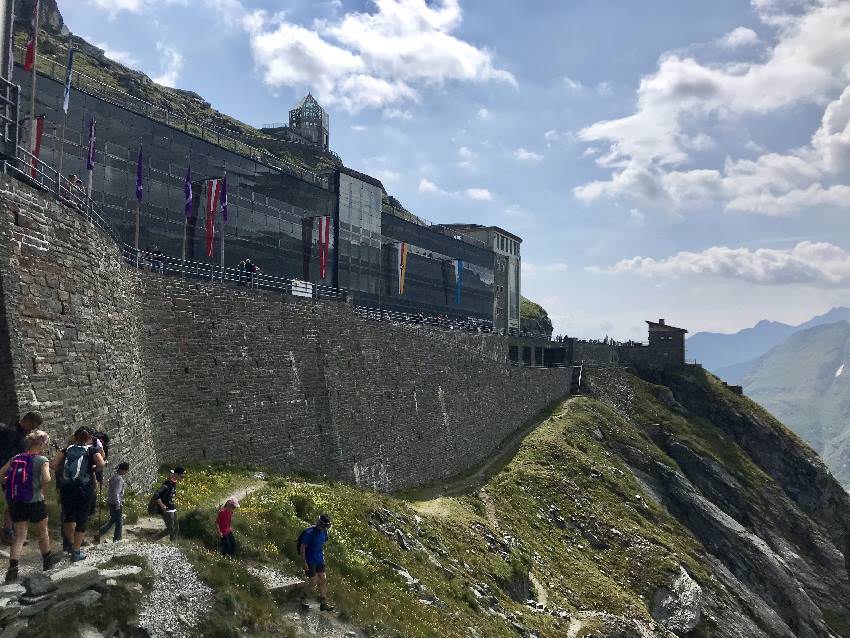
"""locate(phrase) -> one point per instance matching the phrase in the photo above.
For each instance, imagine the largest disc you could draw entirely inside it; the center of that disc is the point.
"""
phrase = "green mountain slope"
(534, 317)
(636, 510)
(805, 381)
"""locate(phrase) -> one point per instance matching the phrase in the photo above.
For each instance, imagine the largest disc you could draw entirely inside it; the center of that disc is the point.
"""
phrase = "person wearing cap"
(164, 499)
(224, 523)
(311, 545)
(76, 465)
(115, 501)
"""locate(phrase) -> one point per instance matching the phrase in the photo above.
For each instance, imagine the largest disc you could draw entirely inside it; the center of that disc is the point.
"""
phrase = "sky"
(685, 160)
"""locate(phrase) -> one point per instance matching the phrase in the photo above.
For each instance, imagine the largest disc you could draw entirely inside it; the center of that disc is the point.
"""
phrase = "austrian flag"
(32, 42)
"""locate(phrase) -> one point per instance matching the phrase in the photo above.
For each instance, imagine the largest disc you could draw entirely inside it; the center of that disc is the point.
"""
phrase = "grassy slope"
(534, 316)
(566, 507)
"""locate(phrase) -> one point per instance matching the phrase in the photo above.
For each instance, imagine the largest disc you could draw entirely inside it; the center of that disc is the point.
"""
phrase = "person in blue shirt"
(311, 549)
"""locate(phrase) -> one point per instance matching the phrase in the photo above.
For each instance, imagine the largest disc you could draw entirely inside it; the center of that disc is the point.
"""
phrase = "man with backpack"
(78, 463)
(310, 545)
(162, 502)
(12, 443)
(25, 476)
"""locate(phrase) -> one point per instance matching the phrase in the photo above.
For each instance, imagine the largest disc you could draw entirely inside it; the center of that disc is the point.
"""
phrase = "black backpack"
(300, 540)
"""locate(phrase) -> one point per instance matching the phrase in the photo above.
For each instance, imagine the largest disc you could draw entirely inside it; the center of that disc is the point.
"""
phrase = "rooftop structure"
(309, 120)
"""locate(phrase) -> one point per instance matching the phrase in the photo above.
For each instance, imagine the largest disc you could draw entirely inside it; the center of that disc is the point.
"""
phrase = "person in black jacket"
(164, 499)
(13, 441)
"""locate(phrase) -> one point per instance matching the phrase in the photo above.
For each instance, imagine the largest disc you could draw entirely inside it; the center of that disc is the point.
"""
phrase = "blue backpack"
(77, 468)
(19, 480)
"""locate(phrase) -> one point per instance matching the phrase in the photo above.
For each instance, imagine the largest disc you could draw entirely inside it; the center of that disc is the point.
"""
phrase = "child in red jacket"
(225, 530)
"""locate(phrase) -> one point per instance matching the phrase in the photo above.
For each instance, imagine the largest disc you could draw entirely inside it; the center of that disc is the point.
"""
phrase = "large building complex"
(336, 228)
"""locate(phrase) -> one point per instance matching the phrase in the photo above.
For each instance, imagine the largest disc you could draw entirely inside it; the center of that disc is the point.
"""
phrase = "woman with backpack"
(77, 465)
(25, 476)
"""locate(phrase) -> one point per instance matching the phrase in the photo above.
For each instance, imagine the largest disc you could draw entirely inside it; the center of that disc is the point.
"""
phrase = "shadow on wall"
(8, 396)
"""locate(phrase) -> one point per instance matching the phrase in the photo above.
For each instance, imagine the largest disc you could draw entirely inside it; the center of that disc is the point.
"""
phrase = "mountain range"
(733, 356)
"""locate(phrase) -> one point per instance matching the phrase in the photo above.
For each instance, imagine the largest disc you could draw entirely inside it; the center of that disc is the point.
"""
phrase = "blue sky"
(687, 160)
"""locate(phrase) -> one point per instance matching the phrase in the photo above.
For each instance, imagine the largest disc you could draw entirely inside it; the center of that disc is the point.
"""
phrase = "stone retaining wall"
(180, 370)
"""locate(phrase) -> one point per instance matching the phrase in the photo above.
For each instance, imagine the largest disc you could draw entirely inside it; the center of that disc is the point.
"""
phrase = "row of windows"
(507, 245)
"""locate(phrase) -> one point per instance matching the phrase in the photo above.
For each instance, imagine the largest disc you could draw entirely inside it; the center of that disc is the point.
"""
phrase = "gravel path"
(178, 599)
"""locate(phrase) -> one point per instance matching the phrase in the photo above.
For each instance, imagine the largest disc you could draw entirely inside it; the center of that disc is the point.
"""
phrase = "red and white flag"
(324, 244)
(32, 42)
(213, 193)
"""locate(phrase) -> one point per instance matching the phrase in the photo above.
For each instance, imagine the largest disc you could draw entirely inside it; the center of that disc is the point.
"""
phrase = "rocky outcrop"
(678, 608)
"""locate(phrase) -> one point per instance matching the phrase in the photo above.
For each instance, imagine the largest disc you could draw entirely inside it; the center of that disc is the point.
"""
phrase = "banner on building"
(458, 280)
(213, 194)
(92, 140)
(32, 41)
(38, 133)
(187, 191)
(403, 249)
(66, 98)
(306, 244)
(324, 244)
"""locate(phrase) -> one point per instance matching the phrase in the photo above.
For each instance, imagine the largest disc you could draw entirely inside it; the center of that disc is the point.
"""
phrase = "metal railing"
(160, 263)
(10, 103)
(226, 138)
(35, 172)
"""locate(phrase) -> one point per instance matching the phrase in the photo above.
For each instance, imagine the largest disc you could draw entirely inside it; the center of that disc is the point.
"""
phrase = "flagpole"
(221, 228)
(65, 109)
(33, 80)
(136, 235)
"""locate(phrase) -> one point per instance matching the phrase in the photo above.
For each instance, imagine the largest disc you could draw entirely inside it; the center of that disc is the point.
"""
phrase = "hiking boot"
(67, 547)
(326, 606)
(77, 556)
(96, 539)
(51, 559)
(11, 575)
(305, 605)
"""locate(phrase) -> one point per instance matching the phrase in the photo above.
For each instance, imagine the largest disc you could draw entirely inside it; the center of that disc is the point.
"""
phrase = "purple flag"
(140, 180)
(223, 199)
(92, 138)
(187, 189)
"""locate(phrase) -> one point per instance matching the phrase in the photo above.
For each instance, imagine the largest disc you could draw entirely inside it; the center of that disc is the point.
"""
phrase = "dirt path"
(150, 526)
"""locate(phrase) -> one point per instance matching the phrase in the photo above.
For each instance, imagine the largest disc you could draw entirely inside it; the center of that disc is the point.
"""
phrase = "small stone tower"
(667, 344)
(310, 121)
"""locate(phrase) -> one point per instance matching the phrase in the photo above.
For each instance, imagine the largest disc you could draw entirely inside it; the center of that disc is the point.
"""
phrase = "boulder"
(14, 629)
(73, 604)
(14, 590)
(37, 584)
(121, 572)
(74, 579)
(678, 607)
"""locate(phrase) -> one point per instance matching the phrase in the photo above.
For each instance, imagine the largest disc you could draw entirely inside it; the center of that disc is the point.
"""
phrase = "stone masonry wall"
(72, 334)
(180, 370)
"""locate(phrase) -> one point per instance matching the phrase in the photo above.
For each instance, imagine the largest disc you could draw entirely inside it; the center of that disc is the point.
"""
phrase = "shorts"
(27, 512)
(312, 570)
(76, 505)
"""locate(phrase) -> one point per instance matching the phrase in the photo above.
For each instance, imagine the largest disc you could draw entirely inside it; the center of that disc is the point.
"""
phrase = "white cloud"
(737, 38)
(468, 158)
(818, 264)
(605, 89)
(483, 113)
(573, 85)
(397, 114)
(427, 186)
(172, 64)
(122, 57)
(636, 218)
(358, 128)
(524, 155)
(479, 194)
(387, 175)
(371, 59)
(646, 151)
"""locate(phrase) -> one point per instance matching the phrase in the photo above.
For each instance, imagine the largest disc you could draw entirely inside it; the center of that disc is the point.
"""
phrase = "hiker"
(224, 523)
(25, 476)
(311, 549)
(78, 463)
(162, 502)
(13, 441)
(115, 500)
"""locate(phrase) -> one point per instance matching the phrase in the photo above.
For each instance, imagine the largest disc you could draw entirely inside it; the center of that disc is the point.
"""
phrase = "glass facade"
(359, 235)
